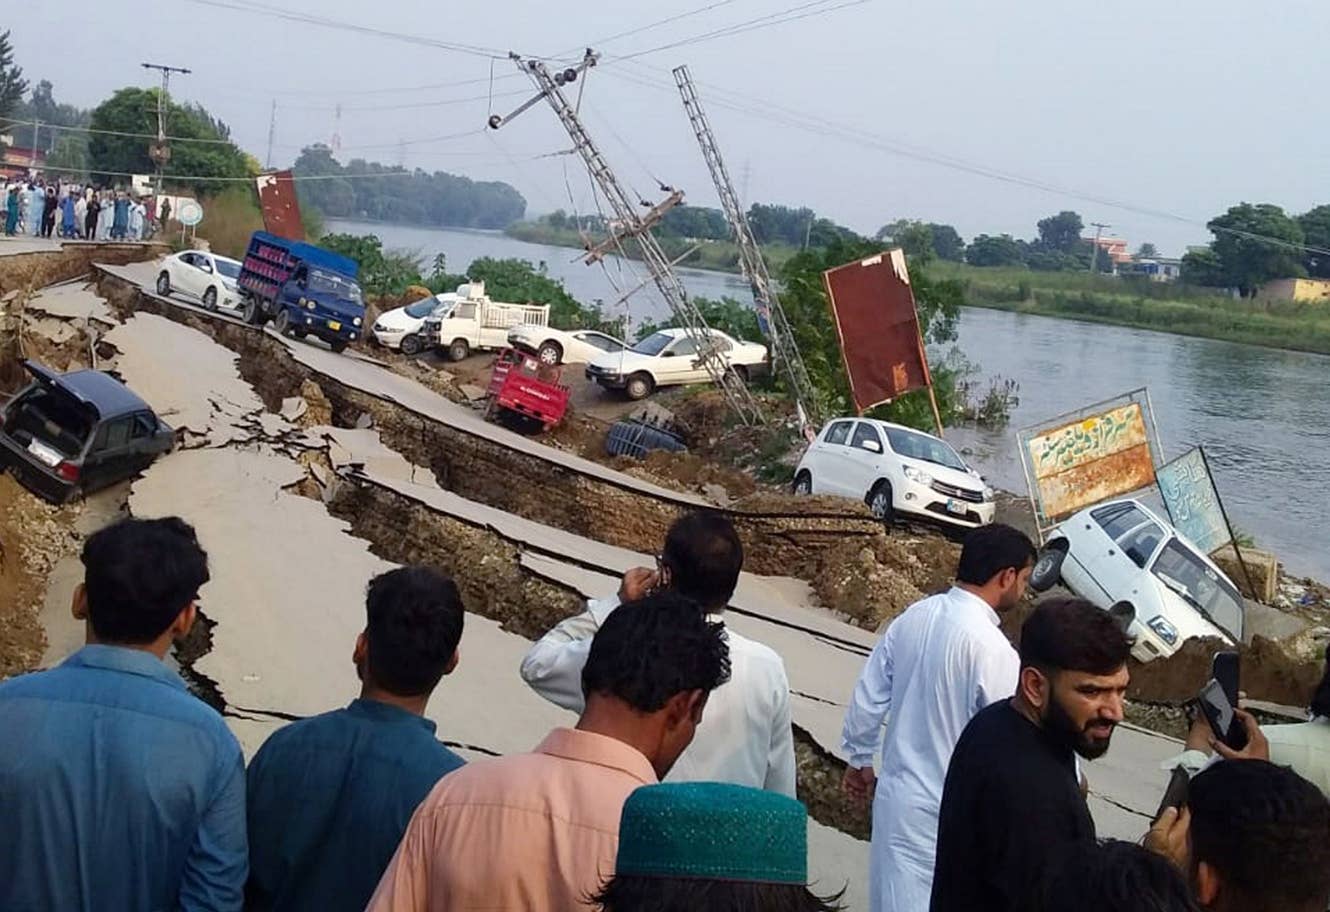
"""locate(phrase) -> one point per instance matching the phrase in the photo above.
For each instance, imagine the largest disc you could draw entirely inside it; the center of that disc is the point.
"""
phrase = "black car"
(69, 434)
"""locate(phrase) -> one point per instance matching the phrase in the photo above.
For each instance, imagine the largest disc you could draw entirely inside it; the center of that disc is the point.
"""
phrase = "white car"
(400, 328)
(669, 358)
(559, 346)
(894, 469)
(204, 276)
(1127, 560)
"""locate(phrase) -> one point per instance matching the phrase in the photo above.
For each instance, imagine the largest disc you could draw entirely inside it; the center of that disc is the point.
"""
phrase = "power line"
(791, 14)
(247, 6)
(642, 28)
(763, 109)
(171, 139)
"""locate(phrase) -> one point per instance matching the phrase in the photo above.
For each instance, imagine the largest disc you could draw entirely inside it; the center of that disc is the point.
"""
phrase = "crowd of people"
(673, 790)
(73, 211)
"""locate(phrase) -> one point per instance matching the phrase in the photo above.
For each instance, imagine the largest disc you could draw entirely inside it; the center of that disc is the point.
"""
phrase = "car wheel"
(740, 371)
(879, 503)
(550, 353)
(458, 350)
(164, 283)
(298, 333)
(252, 314)
(1047, 571)
(803, 484)
(639, 386)
(282, 322)
(210, 298)
(412, 344)
(338, 346)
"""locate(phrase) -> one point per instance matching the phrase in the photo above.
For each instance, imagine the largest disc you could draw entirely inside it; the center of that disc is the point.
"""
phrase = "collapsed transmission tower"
(628, 224)
(784, 350)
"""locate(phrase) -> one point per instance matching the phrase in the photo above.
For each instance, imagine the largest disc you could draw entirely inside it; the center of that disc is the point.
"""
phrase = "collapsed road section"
(482, 461)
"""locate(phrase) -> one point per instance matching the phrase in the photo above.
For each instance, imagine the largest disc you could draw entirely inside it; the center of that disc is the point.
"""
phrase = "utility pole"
(628, 224)
(784, 350)
(1094, 254)
(272, 131)
(159, 151)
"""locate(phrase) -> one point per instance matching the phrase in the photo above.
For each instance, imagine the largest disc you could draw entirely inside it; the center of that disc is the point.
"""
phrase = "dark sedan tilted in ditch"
(69, 434)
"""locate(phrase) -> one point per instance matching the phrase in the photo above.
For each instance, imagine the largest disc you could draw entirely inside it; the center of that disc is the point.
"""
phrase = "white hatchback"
(895, 469)
(1126, 559)
(204, 276)
(400, 327)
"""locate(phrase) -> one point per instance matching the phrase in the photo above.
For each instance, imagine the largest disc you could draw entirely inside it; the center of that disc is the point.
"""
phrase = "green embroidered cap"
(713, 831)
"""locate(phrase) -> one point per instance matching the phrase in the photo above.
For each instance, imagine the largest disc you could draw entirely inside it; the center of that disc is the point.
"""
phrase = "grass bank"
(721, 256)
(1145, 305)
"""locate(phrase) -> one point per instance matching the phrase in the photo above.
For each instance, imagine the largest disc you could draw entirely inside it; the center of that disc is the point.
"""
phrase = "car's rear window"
(51, 418)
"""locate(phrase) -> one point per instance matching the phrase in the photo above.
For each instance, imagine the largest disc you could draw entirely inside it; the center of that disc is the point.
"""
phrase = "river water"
(1262, 415)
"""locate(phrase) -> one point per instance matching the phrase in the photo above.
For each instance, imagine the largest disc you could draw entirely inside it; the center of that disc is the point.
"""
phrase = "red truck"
(520, 384)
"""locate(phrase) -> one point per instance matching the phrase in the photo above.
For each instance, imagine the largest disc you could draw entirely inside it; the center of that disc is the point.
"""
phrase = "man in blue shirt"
(330, 797)
(118, 788)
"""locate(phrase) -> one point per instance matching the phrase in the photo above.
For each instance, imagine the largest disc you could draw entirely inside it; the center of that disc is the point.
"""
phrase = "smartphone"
(1175, 796)
(1219, 713)
(1224, 668)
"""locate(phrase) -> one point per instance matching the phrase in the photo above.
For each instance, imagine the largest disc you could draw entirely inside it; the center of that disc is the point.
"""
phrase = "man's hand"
(1258, 748)
(1199, 735)
(1169, 836)
(858, 784)
(638, 583)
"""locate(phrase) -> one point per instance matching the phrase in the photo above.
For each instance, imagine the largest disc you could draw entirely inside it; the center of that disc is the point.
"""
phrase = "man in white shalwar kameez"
(940, 662)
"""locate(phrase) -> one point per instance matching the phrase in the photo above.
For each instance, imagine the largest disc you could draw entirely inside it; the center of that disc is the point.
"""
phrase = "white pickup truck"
(468, 319)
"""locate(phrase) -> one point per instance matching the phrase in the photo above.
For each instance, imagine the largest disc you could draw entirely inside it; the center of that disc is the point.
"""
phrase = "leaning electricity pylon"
(784, 349)
(629, 225)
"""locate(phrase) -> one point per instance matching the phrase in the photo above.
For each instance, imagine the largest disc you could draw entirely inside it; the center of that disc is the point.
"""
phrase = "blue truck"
(303, 289)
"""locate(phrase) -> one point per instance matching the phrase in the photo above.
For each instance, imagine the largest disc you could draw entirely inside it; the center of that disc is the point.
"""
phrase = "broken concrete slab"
(364, 449)
(182, 373)
(293, 408)
(72, 301)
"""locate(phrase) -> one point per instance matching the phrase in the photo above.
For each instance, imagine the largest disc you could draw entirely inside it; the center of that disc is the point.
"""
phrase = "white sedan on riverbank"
(558, 346)
(896, 471)
(1127, 560)
(202, 275)
(669, 358)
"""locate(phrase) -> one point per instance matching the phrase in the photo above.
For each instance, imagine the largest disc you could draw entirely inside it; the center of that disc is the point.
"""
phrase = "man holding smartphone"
(746, 737)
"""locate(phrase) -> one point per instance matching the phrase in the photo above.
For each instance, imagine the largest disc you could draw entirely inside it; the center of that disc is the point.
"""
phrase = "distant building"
(16, 161)
(1308, 291)
(1116, 248)
(1157, 269)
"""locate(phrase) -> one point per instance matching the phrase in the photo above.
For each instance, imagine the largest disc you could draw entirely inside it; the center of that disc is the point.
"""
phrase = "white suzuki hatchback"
(1129, 561)
(894, 469)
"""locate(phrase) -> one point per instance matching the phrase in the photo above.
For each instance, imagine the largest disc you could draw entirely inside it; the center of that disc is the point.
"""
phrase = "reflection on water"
(1262, 415)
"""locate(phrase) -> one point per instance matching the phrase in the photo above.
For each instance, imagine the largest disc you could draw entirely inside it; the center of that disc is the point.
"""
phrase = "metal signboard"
(1084, 457)
(189, 213)
(1192, 501)
(872, 305)
(281, 209)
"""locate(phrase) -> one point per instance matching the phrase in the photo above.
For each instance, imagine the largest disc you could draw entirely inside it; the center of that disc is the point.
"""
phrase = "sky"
(1150, 117)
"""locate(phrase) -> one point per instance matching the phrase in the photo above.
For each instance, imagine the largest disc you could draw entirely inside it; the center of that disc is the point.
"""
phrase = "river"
(1262, 415)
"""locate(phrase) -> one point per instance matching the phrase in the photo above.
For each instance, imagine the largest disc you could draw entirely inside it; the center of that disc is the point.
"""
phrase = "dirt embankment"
(47, 267)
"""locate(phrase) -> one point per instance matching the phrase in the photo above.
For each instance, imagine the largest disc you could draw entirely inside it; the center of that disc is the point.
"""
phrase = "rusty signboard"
(281, 209)
(1102, 451)
(872, 306)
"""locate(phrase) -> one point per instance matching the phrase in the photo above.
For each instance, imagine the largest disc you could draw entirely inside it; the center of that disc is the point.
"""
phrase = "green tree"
(70, 156)
(1315, 226)
(12, 83)
(994, 250)
(1146, 251)
(381, 273)
(1255, 244)
(1202, 267)
(133, 110)
(727, 315)
(947, 242)
(1061, 232)
(914, 237)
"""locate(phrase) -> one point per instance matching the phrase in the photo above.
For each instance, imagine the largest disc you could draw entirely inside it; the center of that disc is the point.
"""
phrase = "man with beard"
(1012, 799)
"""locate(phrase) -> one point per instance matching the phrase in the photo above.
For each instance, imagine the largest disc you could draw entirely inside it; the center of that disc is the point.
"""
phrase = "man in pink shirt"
(540, 831)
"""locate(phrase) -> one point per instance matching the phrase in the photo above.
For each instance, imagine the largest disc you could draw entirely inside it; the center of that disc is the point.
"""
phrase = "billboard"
(1192, 501)
(1098, 452)
(872, 306)
(281, 209)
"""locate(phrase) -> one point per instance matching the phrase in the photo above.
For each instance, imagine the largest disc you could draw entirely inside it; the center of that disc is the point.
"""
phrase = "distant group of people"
(75, 211)
(672, 792)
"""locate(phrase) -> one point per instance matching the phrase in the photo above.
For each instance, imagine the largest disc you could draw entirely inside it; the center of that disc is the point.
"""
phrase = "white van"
(469, 319)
